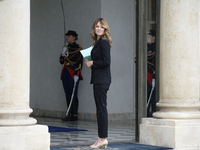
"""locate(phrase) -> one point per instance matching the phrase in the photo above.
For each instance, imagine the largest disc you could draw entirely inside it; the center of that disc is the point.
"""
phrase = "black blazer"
(100, 55)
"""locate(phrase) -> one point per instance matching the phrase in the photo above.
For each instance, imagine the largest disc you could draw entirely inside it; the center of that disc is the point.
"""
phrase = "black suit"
(101, 78)
(101, 62)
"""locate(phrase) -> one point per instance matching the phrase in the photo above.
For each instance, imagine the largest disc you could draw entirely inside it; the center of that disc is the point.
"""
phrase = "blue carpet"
(61, 129)
(116, 146)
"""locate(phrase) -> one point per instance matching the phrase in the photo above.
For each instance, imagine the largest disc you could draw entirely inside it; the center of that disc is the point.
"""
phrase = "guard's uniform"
(150, 75)
(72, 65)
(150, 61)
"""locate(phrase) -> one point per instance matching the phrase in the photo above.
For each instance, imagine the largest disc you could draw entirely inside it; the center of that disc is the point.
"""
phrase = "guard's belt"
(70, 65)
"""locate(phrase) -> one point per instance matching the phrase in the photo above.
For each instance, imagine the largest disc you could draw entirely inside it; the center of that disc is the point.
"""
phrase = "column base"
(35, 137)
(177, 134)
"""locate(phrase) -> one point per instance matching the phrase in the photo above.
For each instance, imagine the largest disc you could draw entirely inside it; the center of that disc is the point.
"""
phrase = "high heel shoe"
(102, 145)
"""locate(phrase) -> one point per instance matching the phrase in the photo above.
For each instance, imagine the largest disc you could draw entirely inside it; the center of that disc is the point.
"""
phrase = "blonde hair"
(106, 34)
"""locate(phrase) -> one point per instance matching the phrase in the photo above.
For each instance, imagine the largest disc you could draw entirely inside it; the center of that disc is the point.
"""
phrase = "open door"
(147, 17)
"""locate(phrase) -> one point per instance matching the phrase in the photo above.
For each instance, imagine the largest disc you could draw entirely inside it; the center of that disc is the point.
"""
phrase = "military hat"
(152, 32)
(71, 32)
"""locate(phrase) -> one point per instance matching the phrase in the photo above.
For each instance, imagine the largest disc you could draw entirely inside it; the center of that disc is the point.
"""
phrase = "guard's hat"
(71, 32)
(152, 32)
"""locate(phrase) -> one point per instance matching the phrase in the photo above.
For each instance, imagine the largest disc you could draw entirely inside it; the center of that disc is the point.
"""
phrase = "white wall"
(120, 15)
(46, 91)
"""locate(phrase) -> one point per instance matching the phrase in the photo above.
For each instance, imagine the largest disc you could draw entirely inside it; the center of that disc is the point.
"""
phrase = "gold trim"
(78, 67)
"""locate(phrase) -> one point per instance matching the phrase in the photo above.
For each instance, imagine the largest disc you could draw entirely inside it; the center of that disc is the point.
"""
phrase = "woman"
(101, 76)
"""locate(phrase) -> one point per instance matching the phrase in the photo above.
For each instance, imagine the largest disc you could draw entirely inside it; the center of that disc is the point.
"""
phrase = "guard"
(151, 47)
(72, 61)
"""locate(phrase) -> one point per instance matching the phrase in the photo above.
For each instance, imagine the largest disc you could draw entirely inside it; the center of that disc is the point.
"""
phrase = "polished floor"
(118, 132)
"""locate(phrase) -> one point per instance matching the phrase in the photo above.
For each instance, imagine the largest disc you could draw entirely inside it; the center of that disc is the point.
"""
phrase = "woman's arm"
(105, 61)
(105, 52)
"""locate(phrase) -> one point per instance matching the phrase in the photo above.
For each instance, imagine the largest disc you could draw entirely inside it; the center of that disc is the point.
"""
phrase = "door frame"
(141, 61)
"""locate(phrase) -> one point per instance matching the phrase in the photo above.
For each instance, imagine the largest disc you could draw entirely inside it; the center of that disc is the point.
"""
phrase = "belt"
(70, 65)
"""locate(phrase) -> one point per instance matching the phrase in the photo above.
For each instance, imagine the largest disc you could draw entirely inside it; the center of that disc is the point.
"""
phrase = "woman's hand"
(88, 63)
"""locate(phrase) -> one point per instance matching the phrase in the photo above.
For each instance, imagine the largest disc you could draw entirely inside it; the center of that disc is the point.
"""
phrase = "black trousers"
(100, 96)
(68, 84)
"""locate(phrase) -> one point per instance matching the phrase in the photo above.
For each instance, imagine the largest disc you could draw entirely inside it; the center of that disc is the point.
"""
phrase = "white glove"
(64, 50)
(153, 83)
(75, 78)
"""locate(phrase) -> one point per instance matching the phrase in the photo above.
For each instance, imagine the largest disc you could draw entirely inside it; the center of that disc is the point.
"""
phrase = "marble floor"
(120, 131)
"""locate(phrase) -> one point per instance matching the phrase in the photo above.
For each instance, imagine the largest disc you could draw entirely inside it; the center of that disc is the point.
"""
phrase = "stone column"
(199, 51)
(18, 130)
(177, 123)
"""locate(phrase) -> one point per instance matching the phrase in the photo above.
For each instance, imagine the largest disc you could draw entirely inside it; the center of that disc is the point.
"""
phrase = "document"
(87, 53)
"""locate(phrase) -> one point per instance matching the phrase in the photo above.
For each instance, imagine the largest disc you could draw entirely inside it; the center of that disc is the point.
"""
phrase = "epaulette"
(80, 46)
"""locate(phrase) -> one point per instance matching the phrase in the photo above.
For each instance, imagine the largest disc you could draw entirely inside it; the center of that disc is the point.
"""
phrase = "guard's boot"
(75, 106)
(149, 112)
(69, 116)
(72, 115)
(74, 110)
(68, 101)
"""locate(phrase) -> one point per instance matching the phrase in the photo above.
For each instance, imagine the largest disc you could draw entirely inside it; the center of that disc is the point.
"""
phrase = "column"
(18, 130)
(199, 51)
(179, 60)
(177, 123)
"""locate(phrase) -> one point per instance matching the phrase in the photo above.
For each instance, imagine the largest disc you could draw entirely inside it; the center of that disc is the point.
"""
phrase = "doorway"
(147, 17)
